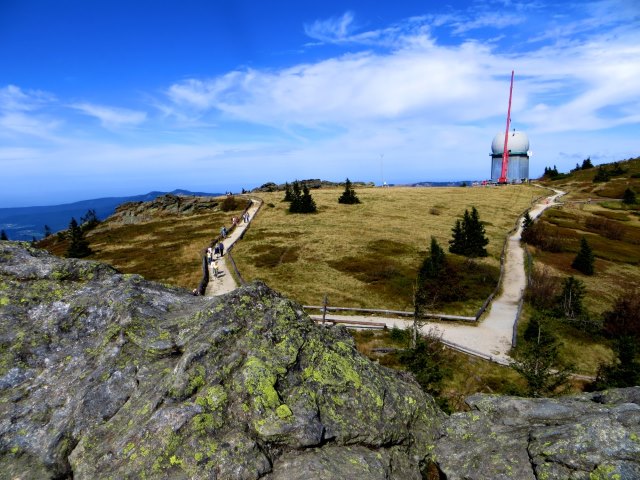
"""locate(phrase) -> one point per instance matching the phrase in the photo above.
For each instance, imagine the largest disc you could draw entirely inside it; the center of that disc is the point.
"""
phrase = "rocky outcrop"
(104, 375)
(169, 204)
(590, 436)
(313, 183)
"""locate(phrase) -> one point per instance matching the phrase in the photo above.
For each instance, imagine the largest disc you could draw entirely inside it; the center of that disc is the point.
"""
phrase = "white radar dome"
(518, 143)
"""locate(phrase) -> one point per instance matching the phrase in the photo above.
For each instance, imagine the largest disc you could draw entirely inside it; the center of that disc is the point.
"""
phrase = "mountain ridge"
(24, 223)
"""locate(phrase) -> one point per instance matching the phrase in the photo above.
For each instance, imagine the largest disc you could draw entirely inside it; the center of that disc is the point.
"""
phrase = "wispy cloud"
(111, 117)
(20, 114)
(331, 30)
(13, 98)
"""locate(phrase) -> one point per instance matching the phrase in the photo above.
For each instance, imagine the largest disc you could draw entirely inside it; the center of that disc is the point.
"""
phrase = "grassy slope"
(617, 259)
(367, 255)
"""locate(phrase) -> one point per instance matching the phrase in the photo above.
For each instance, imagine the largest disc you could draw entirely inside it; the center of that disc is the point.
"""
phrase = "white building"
(518, 168)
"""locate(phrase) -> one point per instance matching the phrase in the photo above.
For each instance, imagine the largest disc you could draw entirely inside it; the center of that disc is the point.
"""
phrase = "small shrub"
(229, 203)
(435, 211)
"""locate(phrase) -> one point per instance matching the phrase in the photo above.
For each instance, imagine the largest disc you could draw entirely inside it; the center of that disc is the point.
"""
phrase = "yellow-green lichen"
(283, 411)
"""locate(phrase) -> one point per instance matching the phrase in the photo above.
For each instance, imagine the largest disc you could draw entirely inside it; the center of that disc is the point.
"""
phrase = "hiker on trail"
(223, 232)
(245, 217)
(234, 221)
(209, 256)
(221, 249)
(215, 268)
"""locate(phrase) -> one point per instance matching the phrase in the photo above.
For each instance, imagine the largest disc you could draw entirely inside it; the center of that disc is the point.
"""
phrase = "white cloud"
(335, 29)
(111, 117)
(13, 98)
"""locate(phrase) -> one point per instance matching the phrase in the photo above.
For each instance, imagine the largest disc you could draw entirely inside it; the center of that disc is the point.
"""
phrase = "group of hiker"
(215, 252)
(212, 257)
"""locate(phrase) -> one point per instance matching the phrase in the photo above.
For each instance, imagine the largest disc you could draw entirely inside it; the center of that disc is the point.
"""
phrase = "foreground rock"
(104, 375)
(591, 436)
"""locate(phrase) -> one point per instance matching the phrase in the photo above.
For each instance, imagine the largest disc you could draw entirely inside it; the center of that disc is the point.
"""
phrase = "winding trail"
(491, 337)
(224, 282)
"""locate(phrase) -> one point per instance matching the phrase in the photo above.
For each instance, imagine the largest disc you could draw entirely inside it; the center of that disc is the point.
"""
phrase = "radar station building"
(518, 167)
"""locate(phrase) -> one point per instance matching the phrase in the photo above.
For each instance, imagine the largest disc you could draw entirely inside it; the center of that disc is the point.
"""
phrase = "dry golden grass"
(167, 249)
(337, 251)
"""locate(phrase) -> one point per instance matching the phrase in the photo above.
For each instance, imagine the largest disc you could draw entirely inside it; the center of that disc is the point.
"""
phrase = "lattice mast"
(505, 153)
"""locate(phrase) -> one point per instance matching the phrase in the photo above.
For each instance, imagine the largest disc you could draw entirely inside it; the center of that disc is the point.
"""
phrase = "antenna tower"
(505, 153)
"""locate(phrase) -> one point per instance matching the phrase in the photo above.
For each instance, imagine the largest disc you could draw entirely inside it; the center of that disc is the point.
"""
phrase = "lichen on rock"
(104, 375)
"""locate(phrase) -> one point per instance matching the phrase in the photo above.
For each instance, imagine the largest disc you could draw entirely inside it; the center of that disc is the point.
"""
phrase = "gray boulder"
(589, 436)
(104, 375)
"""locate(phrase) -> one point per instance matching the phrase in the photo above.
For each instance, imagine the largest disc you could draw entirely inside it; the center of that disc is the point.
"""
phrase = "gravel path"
(491, 338)
(224, 282)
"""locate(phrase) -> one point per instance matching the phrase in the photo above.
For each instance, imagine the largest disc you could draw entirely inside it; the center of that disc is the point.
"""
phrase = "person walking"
(215, 268)
(221, 249)
(223, 232)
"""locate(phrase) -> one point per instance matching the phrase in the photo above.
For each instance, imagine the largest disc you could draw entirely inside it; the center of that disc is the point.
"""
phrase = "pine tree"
(3, 235)
(629, 197)
(457, 242)
(78, 246)
(537, 360)
(602, 175)
(475, 236)
(47, 231)
(349, 195)
(584, 259)
(434, 265)
(288, 194)
(570, 301)
(308, 205)
(527, 222)
(624, 371)
(296, 198)
(586, 163)
(89, 219)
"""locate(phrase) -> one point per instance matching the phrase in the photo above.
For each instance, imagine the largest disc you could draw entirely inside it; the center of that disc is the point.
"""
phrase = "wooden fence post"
(325, 302)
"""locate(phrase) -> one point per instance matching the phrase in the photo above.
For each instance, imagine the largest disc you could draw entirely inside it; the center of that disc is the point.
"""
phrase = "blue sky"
(107, 98)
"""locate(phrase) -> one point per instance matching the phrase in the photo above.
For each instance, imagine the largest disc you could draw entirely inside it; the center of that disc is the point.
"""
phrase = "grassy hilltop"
(368, 255)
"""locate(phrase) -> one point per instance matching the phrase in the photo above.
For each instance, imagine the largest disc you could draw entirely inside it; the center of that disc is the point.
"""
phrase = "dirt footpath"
(224, 282)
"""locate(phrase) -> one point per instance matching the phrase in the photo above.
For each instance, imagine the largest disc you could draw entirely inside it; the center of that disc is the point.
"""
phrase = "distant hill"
(24, 223)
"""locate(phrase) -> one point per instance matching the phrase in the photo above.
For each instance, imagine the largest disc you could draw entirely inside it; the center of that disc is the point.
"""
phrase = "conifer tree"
(527, 221)
(476, 238)
(349, 195)
(586, 163)
(629, 197)
(457, 242)
(296, 198)
(434, 264)
(78, 245)
(47, 231)
(570, 300)
(3, 235)
(538, 360)
(584, 259)
(288, 194)
(308, 205)
(468, 236)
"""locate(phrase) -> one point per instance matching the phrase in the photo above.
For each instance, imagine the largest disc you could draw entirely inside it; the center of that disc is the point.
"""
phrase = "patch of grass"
(622, 217)
(368, 255)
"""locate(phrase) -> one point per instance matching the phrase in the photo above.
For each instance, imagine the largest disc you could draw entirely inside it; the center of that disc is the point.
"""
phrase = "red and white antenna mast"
(505, 153)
